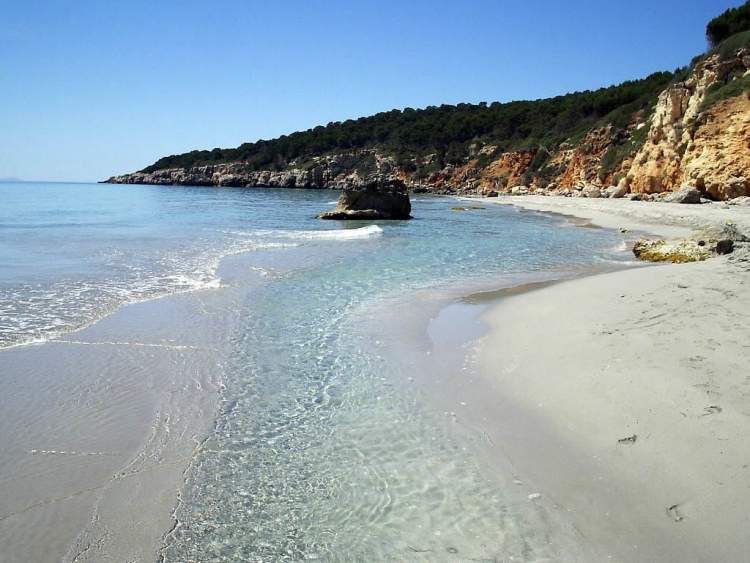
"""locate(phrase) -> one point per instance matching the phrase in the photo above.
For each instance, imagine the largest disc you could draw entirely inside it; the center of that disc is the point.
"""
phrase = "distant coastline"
(643, 137)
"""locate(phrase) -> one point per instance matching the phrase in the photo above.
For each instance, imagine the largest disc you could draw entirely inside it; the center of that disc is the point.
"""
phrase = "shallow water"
(317, 450)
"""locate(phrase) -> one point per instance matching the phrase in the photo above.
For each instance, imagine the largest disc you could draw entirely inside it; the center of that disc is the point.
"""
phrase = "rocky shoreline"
(690, 138)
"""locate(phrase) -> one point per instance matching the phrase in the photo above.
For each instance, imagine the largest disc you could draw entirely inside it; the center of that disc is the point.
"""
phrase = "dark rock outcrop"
(724, 246)
(381, 199)
(685, 195)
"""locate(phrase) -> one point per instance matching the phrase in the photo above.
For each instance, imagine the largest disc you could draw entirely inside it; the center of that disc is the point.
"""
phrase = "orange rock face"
(718, 159)
(708, 149)
(582, 165)
(507, 171)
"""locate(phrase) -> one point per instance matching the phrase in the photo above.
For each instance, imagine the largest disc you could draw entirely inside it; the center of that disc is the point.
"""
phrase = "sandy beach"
(94, 452)
(96, 448)
(608, 412)
(622, 398)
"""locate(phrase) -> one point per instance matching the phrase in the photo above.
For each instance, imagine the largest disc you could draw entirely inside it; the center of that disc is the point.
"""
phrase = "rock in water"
(381, 199)
(685, 195)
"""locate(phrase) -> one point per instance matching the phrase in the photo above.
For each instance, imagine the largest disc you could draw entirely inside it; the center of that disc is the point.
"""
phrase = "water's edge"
(475, 298)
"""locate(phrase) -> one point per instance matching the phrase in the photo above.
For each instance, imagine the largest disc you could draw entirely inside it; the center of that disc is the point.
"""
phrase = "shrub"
(730, 46)
(721, 91)
(727, 24)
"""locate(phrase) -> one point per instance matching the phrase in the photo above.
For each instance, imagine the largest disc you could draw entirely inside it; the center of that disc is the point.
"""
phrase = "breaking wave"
(369, 231)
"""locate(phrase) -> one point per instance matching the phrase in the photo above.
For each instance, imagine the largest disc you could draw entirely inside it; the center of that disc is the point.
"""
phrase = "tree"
(730, 22)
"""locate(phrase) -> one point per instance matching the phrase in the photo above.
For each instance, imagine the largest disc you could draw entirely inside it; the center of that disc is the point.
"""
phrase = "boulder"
(688, 194)
(591, 191)
(491, 193)
(702, 244)
(671, 251)
(618, 191)
(742, 200)
(623, 187)
(380, 199)
(519, 190)
(724, 246)
(728, 231)
(735, 187)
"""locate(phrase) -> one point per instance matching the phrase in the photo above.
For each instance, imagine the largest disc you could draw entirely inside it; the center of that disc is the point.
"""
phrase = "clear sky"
(93, 88)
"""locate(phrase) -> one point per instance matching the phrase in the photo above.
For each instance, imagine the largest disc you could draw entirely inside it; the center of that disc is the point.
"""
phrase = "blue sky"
(91, 89)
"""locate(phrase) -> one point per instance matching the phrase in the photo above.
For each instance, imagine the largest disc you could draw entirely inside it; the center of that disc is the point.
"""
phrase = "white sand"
(669, 220)
(660, 352)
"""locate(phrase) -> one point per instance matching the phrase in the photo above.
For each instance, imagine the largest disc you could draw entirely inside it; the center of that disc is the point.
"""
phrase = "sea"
(320, 449)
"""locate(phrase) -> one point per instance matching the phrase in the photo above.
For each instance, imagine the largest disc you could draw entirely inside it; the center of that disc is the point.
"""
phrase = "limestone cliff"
(696, 133)
(690, 144)
(337, 171)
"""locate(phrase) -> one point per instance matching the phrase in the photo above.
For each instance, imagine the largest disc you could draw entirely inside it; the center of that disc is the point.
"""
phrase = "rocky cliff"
(696, 132)
(692, 143)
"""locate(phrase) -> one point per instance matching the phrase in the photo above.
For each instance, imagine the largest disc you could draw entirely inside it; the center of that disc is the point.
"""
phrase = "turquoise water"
(317, 452)
(71, 253)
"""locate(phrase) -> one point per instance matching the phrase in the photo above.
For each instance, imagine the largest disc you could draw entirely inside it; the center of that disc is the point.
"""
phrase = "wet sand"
(95, 450)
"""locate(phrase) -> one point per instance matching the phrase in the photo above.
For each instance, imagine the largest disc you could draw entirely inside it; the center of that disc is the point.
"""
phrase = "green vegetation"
(721, 91)
(727, 24)
(424, 141)
(366, 165)
(627, 147)
(731, 45)
(445, 131)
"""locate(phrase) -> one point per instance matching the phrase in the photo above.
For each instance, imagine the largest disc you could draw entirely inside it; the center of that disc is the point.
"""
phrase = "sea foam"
(369, 231)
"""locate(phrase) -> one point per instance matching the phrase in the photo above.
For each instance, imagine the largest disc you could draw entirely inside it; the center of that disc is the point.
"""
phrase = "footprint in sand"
(711, 409)
(674, 513)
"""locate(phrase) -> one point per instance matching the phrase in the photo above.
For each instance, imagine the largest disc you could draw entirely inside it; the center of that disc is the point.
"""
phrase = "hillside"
(647, 136)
